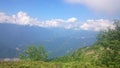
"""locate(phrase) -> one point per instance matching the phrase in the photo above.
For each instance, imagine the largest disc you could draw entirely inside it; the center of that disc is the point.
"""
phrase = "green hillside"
(87, 54)
(105, 53)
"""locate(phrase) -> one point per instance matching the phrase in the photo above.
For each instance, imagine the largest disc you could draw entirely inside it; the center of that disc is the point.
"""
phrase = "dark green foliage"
(110, 40)
(111, 54)
(34, 53)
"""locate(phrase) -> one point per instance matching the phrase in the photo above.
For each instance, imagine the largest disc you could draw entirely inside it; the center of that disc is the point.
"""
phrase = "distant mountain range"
(57, 41)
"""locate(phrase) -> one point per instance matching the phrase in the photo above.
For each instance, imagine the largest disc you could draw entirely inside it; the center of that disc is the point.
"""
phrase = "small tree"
(34, 53)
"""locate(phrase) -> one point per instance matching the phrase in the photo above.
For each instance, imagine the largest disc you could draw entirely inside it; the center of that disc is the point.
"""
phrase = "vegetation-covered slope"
(105, 53)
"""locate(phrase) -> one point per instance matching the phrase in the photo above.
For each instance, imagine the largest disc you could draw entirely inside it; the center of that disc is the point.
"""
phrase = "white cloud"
(3, 17)
(73, 19)
(21, 18)
(97, 25)
(106, 6)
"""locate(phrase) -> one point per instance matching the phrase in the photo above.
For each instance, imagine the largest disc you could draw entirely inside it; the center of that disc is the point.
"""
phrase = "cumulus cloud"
(21, 18)
(97, 25)
(106, 6)
(73, 19)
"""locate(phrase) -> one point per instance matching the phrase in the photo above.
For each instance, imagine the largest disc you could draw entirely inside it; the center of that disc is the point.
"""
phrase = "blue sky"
(45, 9)
(85, 11)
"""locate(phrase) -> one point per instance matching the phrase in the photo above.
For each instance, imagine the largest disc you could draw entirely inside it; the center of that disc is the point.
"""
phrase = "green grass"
(82, 58)
(86, 57)
(41, 64)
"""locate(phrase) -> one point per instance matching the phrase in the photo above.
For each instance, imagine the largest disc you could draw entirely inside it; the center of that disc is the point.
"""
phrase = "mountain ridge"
(55, 40)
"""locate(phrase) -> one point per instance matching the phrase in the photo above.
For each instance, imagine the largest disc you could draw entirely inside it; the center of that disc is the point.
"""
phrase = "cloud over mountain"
(21, 18)
(97, 25)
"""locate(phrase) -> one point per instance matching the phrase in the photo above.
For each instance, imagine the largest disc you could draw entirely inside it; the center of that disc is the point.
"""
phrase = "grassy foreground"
(41, 64)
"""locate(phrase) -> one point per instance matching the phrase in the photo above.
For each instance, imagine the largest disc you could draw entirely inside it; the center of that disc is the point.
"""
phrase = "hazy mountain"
(57, 41)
